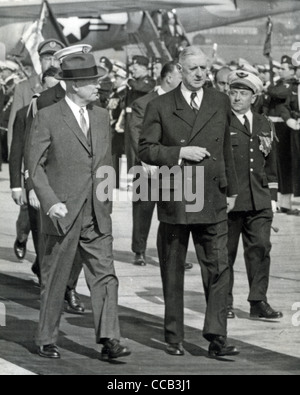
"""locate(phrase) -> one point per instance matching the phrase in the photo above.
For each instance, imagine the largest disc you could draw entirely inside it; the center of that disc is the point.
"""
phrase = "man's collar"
(248, 114)
(72, 105)
(184, 89)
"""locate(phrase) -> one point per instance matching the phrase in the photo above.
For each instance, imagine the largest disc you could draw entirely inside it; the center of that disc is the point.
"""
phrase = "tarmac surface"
(267, 347)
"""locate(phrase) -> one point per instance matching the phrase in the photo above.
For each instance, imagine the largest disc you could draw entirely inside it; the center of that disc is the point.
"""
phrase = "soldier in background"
(116, 108)
(22, 98)
(106, 86)
(285, 125)
(292, 115)
(157, 67)
(222, 83)
(139, 86)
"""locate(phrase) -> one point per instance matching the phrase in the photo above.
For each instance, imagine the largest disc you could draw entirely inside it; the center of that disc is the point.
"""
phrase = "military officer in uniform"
(22, 98)
(139, 86)
(285, 125)
(116, 108)
(255, 159)
(291, 114)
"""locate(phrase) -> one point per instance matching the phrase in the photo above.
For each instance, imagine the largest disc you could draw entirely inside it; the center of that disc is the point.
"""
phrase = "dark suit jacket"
(64, 168)
(169, 126)
(137, 118)
(259, 186)
(51, 96)
(46, 99)
(17, 149)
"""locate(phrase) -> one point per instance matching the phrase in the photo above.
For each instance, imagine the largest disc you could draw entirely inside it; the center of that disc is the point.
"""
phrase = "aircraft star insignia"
(73, 26)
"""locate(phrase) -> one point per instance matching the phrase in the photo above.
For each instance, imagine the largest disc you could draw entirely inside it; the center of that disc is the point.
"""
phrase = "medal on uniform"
(265, 144)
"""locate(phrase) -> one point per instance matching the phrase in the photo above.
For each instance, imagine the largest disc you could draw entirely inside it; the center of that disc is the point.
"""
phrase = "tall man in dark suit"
(190, 127)
(143, 210)
(69, 145)
(255, 158)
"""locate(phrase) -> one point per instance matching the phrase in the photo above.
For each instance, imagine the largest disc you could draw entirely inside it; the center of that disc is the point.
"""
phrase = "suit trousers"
(211, 247)
(23, 224)
(142, 211)
(255, 228)
(96, 253)
(284, 158)
(39, 246)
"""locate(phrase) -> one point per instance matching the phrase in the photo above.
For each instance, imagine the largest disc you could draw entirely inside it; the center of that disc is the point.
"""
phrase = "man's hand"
(231, 203)
(293, 124)
(149, 170)
(33, 200)
(18, 197)
(59, 211)
(194, 154)
(274, 207)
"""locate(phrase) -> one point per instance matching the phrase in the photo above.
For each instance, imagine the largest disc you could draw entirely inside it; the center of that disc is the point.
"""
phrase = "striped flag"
(45, 27)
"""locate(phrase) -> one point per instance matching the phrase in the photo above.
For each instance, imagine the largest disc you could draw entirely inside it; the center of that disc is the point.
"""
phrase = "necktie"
(247, 124)
(194, 104)
(84, 125)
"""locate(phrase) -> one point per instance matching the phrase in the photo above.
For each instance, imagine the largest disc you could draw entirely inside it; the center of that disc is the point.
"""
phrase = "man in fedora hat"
(69, 143)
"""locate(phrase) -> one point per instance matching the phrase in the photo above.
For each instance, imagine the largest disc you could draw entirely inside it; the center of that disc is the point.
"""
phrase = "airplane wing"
(29, 9)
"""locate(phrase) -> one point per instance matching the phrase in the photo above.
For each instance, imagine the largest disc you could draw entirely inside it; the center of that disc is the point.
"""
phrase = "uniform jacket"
(292, 103)
(17, 149)
(170, 124)
(257, 173)
(278, 96)
(139, 88)
(137, 117)
(63, 167)
(22, 97)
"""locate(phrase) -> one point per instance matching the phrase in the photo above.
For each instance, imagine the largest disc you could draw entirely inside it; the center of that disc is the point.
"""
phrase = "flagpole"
(268, 47)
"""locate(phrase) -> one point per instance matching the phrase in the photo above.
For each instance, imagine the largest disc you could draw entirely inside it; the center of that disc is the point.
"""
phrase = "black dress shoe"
(35, 268)
(20, 249)
(220, 348)
(73, 303)
(175, 350)
(188, 266)
(51, 351)
(230, 313)
(112, 349)
(140, 260)
(264, 310)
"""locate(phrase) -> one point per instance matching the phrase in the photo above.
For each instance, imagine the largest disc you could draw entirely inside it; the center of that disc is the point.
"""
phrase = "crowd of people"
(58, 128)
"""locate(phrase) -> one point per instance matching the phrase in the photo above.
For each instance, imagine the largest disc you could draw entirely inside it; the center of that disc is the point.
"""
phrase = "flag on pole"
(46, 27)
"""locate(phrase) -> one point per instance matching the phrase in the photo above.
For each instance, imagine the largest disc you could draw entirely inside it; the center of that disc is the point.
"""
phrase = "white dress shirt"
(241, 118)
(76, 111)
(187, 95)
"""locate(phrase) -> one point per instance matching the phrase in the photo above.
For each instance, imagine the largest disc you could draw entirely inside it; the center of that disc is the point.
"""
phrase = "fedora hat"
(80, 67)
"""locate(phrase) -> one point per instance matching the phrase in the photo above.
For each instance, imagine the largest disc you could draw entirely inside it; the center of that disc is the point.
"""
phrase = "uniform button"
(251, 170)
(252, 150)
(251, 160)
(251, 140)
(183, 141)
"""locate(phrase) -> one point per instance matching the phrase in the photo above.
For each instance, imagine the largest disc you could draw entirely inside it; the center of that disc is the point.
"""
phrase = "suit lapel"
(183, 110)
(94, 126)
(206, 112)
(72, 123)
